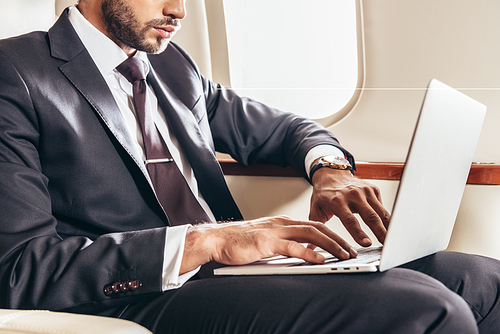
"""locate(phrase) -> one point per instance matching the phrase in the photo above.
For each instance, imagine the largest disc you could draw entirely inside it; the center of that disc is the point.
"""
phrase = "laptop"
(427, 199)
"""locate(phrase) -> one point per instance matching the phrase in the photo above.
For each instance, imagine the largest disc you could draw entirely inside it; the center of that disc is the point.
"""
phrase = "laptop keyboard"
(365, 255)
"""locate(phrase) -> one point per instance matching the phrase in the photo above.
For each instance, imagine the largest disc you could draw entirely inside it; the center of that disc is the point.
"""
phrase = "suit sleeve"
(39, 269)
(252, 132)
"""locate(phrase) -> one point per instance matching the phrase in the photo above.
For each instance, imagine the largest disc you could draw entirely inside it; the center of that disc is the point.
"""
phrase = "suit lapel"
(81, 71)
(200, 155)
(84, 75)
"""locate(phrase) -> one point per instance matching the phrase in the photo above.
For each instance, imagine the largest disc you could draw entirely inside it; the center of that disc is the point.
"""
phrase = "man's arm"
(40, 267)
(249, 241)
(252, 132)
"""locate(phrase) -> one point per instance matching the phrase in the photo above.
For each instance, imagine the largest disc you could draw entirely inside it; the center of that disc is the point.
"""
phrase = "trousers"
(447, 292)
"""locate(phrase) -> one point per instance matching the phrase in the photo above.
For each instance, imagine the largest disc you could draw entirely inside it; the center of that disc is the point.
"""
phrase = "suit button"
(124, 286)
(135, 284)
(108, 290)
(116, 287)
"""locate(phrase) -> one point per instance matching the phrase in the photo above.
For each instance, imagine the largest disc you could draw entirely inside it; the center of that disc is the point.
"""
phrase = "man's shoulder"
(24, 40)
(19, 46)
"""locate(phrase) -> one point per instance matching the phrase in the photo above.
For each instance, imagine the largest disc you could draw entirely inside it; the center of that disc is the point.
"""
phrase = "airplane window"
(293, 55)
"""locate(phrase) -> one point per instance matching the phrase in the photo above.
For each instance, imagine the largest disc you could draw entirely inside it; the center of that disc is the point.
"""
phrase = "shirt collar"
(104, 52)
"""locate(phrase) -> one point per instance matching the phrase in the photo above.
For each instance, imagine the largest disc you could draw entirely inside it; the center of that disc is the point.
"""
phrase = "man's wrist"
(172, 257)
(196, 248)
(333, 162)
(320, 151)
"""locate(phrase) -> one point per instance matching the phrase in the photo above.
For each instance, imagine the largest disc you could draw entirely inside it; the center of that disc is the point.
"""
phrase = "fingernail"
(320, 257)
(353, 252)
(345, 255)
(367, 241)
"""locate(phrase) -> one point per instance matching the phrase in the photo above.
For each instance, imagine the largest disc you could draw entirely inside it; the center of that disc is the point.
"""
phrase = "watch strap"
(322, 162)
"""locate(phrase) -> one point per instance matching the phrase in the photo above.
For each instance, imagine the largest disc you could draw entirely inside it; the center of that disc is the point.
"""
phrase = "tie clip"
(158, 161)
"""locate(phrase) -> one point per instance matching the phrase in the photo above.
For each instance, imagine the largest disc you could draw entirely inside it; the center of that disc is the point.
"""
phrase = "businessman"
(113, 202)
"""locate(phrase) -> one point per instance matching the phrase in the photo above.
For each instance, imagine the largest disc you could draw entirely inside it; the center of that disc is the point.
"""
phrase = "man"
(88, 225)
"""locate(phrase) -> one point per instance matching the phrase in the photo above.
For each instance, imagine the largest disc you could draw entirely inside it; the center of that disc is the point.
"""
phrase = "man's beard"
(123, 26)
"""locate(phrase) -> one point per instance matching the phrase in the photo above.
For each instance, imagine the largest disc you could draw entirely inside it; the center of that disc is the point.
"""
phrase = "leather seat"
(37, 321)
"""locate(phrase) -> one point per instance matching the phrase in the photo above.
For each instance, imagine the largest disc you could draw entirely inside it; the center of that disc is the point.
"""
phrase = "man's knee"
(421, 304)
(475, 278)
(453, 316)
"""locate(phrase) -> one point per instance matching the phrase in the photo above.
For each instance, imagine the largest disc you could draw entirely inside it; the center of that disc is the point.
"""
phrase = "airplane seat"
(41, 321)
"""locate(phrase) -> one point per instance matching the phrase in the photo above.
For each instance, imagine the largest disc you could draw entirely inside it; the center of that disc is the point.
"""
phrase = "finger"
(373, 221)
(319, 235)
(373, 213)
(315, 233)
(338, 239)
(351, 224)
(377, 193)
(382, 213)
(295, 249)
(378, 206)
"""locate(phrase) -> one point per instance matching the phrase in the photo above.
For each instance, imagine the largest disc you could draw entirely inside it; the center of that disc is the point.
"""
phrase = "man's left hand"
(338, 192)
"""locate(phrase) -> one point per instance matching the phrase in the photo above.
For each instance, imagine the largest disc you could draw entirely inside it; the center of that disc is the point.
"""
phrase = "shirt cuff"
(321, 151)
(174, 249)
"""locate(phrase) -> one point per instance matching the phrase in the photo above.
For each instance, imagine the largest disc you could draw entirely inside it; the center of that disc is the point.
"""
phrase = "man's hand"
(337, 192)
(245, 242)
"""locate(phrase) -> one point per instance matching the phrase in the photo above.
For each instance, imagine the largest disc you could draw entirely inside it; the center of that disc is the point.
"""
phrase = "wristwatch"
(330, 161)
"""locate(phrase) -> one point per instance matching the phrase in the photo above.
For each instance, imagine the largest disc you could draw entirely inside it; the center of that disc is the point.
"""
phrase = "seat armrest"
(24, 322)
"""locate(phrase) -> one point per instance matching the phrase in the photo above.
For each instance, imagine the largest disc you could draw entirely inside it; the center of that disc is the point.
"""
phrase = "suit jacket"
(79, 217)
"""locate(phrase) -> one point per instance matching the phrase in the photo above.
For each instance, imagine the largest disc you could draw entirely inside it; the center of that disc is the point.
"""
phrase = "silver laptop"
(428, 197)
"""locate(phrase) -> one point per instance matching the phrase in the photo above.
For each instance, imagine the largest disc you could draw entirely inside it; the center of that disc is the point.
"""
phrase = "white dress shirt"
(107, 56)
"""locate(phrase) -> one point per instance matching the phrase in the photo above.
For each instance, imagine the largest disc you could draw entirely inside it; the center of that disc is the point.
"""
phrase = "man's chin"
(156, 48)
(162, 48)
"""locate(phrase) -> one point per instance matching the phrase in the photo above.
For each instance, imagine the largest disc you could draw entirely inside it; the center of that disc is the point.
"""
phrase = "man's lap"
(475, 278)
(399, 300)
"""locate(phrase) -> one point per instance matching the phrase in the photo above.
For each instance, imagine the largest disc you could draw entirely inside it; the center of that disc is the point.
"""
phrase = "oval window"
(299, 56)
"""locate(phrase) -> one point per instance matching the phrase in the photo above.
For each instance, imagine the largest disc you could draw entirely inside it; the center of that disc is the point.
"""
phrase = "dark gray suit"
(69, 174)
(79, 216)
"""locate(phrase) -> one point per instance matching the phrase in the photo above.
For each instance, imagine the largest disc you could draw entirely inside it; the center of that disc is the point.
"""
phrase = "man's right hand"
(236, 243)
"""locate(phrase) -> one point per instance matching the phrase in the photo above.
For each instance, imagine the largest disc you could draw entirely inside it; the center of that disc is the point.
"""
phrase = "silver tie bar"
(157, 161)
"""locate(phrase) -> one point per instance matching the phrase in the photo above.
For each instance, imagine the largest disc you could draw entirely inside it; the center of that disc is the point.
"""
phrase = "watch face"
(336, 162)
(330, 162)
(340, 161)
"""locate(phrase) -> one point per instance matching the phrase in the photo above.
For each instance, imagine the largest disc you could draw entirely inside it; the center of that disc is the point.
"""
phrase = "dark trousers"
(443, 293)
